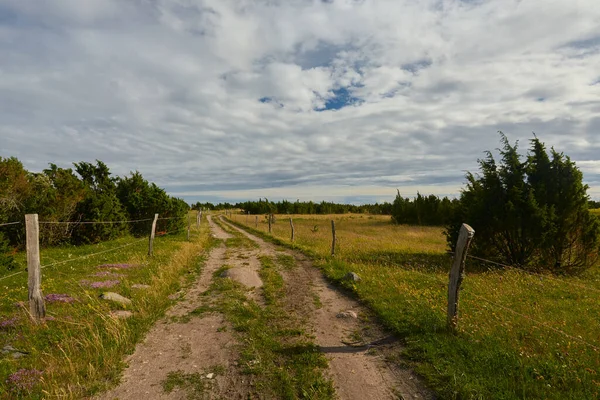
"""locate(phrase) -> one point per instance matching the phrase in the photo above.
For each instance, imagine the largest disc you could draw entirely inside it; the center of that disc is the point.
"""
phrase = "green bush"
(531, 214)
(6, 259)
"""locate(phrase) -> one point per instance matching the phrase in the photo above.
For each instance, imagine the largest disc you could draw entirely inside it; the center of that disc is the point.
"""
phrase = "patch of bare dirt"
(359, 372)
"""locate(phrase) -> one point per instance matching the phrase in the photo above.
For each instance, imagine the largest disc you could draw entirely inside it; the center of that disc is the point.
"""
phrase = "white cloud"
(172, 88)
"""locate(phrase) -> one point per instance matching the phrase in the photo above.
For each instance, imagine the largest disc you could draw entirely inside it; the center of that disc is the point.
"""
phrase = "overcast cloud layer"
(341, 100)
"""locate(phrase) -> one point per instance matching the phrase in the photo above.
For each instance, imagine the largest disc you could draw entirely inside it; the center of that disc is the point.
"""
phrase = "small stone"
(210, 376)
(115, 297)
(14, 353)
(140, 286)
(352, 276)
(347, 314)
(121, 314)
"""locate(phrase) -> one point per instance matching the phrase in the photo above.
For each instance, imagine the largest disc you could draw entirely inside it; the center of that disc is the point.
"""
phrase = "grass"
(508, 344)
(79, 347)
(275, 350)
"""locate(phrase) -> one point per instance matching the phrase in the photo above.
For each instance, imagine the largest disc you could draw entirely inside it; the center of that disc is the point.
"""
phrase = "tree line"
(89, 192)
(264, 206)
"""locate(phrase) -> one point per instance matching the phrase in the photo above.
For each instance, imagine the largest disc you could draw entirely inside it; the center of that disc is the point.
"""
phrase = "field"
(78, 349)
(519, 335)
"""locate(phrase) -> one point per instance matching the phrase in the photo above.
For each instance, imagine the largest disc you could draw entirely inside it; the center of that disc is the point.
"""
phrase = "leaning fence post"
(151, 243)
(292, 226)
(457, 272)
(189, 224)
(270, 217)
(333, 238)
(36, 301)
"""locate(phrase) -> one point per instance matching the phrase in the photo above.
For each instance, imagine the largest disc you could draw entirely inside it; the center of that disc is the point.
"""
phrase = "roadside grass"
(275, 349)
(510, 342)
(79, 347)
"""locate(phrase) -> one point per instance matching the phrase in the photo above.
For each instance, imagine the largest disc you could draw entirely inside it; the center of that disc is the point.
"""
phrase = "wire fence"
(92, 222)
(159, 234)
(534, 321)
(11, 223)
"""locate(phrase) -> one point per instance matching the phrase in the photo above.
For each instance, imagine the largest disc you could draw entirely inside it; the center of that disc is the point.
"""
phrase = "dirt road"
(201, 353)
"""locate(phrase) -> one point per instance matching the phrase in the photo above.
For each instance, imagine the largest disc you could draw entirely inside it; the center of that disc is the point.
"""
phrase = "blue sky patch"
(341, 98)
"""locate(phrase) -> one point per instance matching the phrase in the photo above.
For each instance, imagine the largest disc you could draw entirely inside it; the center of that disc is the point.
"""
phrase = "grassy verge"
(78, 350)
(275, 349)
(520, 335)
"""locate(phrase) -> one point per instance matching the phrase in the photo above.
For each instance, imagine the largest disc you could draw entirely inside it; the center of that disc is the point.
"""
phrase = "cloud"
(342, 99)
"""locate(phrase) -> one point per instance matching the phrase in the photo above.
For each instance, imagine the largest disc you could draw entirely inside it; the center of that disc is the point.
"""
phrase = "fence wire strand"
(549, 277)
(93, 254)
(92, 222)
(11, 223)
(536, 322)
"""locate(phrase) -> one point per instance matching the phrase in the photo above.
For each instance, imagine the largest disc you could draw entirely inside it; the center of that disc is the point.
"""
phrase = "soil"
(199, 344)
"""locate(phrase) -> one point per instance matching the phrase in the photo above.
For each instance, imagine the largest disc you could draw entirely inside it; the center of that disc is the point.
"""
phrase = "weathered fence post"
(270, 217)
(36, 300)
(151, 243)
(256, 222)
(200, 219)
(333, 238)
(189, 224)
(457, 272)
(292, 226)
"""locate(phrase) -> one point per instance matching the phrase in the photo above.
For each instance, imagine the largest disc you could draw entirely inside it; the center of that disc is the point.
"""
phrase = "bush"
(531, 214)
(6, 259)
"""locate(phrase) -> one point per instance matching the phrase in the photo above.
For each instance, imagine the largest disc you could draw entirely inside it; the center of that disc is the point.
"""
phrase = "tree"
(531, 214)
(99, 204)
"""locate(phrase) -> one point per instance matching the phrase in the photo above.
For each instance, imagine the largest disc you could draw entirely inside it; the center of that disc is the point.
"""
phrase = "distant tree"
(531, 214)
(99, 204)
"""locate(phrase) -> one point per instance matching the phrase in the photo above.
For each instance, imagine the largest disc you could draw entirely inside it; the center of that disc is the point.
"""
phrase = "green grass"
(508, 344)
(80, 347)
(275, 349)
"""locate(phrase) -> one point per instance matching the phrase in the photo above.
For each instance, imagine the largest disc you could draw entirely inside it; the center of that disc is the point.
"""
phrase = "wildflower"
(8, 323)
(24, 379)
(58, 298)
(102, 284)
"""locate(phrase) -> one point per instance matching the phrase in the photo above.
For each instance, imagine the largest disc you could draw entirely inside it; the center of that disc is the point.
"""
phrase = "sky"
(337, 100)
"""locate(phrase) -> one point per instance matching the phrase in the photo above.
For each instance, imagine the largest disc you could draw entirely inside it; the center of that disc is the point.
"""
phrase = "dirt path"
(358, 372)
(201, 352)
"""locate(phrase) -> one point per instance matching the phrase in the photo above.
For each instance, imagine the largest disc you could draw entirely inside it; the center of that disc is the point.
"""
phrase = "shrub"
(532, 214)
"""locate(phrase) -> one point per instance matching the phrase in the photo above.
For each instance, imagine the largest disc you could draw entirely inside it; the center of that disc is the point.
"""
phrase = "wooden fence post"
(37, 307)
(270, 217)
(151, 243)
(292, 226)
(333, 236)
(200, 219)
(256, 222)
(189, 224)
(457, 273)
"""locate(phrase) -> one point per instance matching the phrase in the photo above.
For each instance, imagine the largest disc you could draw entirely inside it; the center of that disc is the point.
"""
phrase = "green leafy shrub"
(532, 214)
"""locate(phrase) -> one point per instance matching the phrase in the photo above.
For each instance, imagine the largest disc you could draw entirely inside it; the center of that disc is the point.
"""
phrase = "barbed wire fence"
(34, 266)
(454, 287)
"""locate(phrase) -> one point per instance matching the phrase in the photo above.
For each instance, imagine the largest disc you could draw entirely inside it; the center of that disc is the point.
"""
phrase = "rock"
(210, 376)
(117, 298)
(347, 314)
(352, 276)
(121, 314)
(140, 286)
(14, 353)
(245, 276)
